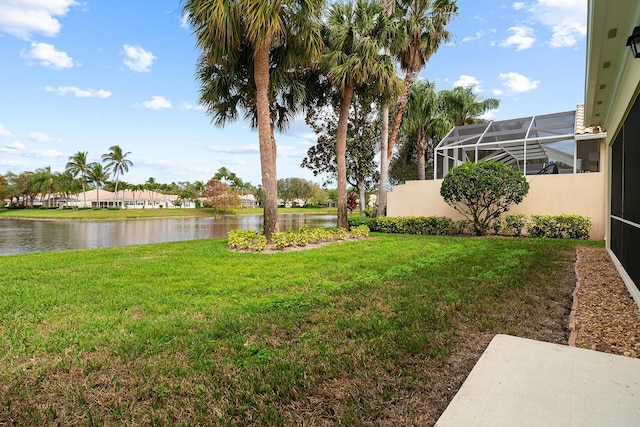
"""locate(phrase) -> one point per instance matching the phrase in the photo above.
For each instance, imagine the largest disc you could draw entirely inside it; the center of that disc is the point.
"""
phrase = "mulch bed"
(606, 316)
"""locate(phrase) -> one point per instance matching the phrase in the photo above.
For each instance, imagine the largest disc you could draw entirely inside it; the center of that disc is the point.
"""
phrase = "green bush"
(359, 232)
(483, 191)
(515, 223)
(242, 239)
(498, 225)
(429, 225)
(559, 226)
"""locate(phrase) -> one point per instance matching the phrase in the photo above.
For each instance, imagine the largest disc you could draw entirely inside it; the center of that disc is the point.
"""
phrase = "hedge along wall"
(580, 194)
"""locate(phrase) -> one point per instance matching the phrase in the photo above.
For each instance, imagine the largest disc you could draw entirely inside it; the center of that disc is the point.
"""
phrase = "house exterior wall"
(579, 194)
(610, 95)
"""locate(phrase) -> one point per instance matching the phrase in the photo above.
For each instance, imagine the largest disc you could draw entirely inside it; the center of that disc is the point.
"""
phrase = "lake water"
(22, 236)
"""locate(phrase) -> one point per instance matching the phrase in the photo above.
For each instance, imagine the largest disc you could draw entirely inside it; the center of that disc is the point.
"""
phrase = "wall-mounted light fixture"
(634, 41)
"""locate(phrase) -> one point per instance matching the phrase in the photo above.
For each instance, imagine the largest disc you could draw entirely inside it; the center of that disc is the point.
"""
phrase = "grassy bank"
(143, 213)
(379, 331)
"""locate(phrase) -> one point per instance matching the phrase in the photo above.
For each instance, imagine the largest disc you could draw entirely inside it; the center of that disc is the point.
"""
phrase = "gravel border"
(604, 316)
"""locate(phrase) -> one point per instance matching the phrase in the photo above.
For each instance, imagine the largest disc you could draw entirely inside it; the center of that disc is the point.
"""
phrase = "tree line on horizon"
(267, 61)
(222, 191)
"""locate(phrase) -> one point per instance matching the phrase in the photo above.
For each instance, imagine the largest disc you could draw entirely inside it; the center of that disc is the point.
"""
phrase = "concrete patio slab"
(521, 382)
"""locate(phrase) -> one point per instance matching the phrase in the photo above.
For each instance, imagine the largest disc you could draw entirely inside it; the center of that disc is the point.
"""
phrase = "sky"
(84, 75)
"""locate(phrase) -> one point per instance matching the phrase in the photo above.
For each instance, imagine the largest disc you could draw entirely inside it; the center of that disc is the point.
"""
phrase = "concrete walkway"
(521, 382)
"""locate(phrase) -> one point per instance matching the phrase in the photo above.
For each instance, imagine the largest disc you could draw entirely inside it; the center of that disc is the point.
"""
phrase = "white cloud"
(3, 131)
(288, 151)
(518, 5)
(184, 105)
(478, 35)
(518, 83)
(138, 59)
(22, 18)
(468, 81)
(16, 146)
(49, 154)
(79, 93)
(522, 38)
(39, 137)
(240, 149)
(497, 92)
(567, 20)
(157, 103)
(232, 161)
(48, 56)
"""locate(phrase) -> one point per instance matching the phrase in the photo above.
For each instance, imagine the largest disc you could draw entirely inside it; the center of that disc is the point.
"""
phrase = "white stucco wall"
(579, 194)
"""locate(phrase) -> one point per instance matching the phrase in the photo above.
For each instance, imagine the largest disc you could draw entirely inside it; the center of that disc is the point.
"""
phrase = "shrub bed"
(558, 226)
(254, 241)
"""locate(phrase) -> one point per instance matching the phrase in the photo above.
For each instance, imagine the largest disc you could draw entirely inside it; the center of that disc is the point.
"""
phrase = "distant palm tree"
(117, 159)
(151, 185)
(422, 123)
(462, 105)
(98, 176)
(42, 181)
(77, 164)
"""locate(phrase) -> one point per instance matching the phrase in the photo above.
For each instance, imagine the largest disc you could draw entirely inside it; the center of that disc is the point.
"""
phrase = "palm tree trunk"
(266, 139)
(84, 190)
(384, 164)
(115, 195)
(408, 80)
(341, 155)
(421, 148)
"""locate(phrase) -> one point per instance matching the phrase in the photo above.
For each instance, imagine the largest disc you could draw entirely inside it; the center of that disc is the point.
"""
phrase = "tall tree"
(381, 200)
(462, 105)
(78, 164)
(424, 23)
(363, 136)
(4, 189)
(97, 174)
(117, 159)
(355, 35)
(253, 53)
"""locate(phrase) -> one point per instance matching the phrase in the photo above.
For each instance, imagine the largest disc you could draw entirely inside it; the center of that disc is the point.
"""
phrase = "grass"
(381, 331)
(143, 213)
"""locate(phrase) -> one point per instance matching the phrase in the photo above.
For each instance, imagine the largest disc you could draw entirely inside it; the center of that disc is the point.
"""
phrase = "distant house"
(248, 201)
(128, 199)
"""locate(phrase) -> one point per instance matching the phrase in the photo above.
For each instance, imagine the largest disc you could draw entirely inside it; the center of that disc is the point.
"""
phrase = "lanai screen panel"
(529, 144)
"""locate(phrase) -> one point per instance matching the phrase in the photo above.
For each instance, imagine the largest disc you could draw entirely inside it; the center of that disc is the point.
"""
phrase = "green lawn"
(142, 213)
(380, 331)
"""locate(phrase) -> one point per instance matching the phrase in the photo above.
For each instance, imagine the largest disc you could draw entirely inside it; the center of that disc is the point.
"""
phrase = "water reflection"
(22, 236)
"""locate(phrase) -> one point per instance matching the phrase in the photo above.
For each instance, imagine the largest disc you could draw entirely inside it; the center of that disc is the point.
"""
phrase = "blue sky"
(83, 75)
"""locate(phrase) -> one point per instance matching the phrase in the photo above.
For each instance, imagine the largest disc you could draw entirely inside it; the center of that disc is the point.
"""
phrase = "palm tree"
(42, 181)
(97, 175)
(117, 159)
(425, 25)
(151, 185)
(355, 35)
(422, 124)
(462, 105)
(223, 174)
(77, 164)
(253, 52)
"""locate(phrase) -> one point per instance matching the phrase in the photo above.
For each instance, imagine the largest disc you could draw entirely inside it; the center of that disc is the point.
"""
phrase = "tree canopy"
(481, 192)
